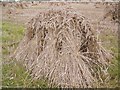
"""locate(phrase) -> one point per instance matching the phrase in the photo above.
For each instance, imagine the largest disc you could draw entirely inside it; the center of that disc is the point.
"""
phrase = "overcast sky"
(8, 0)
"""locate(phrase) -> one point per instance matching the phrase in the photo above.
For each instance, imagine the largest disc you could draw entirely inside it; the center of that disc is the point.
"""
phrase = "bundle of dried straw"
(60, 46)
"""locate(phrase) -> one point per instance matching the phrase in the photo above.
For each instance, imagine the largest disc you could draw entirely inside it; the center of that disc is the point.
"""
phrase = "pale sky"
(8, 0)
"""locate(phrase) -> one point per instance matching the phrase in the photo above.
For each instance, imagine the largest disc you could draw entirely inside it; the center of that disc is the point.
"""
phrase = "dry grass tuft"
(112, 12)
(20, 5)
(61, 47)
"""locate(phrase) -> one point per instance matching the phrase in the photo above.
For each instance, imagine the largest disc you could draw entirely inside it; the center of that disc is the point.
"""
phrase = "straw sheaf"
(61, 47)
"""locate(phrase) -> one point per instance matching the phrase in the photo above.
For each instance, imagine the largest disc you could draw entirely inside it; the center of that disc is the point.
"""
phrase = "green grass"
(13, 73)
(16, 76)
(12, 34)
(112, 46)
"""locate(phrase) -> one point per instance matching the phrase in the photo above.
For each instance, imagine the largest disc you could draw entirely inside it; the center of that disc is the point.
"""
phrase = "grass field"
(14, 74)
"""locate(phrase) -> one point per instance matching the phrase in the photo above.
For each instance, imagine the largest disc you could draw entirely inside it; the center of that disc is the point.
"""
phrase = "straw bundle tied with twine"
(60, 46)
